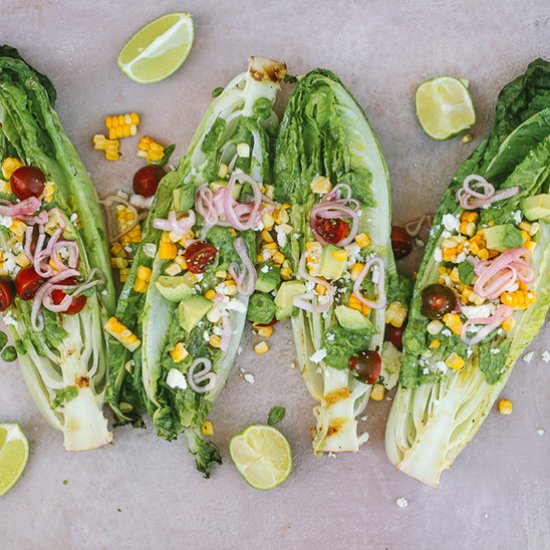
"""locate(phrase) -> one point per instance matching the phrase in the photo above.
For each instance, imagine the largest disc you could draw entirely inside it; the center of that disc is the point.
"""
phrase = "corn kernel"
(143, 273)
(264, 331)
(18, 228)
(377, 392)
(362, 240)
(9, 166)
(320, 289)
(210, 294)
(207, 428)
(179, 353)
(355, 270)
(354, 302)
(340, 255)
(505, 406)
(286, 273)
(508, 324)
(396, 313)
(167, 251)
(278, 258)
(365, 309)
(434, 344)
(140, 286)
(222, 170)
(454, 361)
(269, 222)
(261, 348)
(121, 333)
(119, 263)
(215, 340)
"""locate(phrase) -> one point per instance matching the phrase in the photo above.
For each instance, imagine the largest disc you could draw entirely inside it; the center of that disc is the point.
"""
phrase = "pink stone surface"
(143, 492)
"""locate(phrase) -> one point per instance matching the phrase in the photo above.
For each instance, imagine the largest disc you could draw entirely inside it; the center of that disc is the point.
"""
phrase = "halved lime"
(159, 49)
(14, 453)
(262, 455)
(444, 107)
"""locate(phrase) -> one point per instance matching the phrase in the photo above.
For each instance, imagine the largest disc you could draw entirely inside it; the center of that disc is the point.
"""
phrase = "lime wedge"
(262, 455)
(159, 49)
(14, 453)
(444, 107)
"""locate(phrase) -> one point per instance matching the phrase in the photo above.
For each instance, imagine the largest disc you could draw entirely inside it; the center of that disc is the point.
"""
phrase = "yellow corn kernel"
(21, 260)
(454, 361)
(508, 324)
(452, 320)
(167, 251)
(377, 392)
(312, 246)
(505, 406)
(483, 254)
(454, 275)
(18, 228)
(286, 273)
(121, 333)
(9, 166)
(119, 263)
(449, 254)
(140, 286)
(365, 309)
(264, 331)
(354, 302)
(469, 216)
(207, 428)
(230, 288)
(320, 184)
(122, 125)
(278, 258)
(362, 240)
(266, 236)
(178, 353)
(355, 270)
(143, 273)
(281, 216)
(215, 340)
(530, 245)
(49, 192)
(222, 170)
(270, 246)
(268, 221)
(396, 313)
(320, 289)
(434, 344)
(210, 294)
(261, 348)
(123, 274)
(340, 255)
(118, 250)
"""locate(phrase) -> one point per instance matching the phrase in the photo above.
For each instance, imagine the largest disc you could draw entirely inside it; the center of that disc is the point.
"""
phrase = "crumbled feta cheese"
(450, 222)
(545, 356)
(176, 379)
(318, 356)
(528, 356)
(330, 336)
(292, 365)
(281, 237)
(264, 269)
(310, 286)
(494, 351)
(74, 217)
(9, 320)
(485, 310)
(517, 215)
(446, 332)
(461, 257)
(217, 330)
(375, 274)
(6, 221)
(441, 366)
(236, 305)
(248, 377)
(9, 265)
(438, 255)
(206, 336)
(445, 234)
(541, 431)
(139, 201)
(402, 502)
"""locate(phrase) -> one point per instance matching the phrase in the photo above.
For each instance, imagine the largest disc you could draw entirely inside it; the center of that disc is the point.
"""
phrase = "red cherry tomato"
(332, 230)
(146, 180)
(27, 282)
(78, 302)
(401, 242)
(7, 294)
(367, 365)
(199, 255)
(437, 300)
(27, 182)
(395, 335)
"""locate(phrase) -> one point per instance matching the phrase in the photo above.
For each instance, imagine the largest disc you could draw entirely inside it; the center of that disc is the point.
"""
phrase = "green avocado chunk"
(192, 310)
(536, 207)
(268, 278)
(351, 318)
(261, 309)
(221, 183)
(285, 295)
(174, 289)
(329, 266)
(503, 237)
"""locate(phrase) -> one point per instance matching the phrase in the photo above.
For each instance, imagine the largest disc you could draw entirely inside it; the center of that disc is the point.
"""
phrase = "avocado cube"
(192, 310)
(536, 207)
(285, 296)
(502, 237)
(174, 289)
(351, 319)
(268, 278)
(330, 266)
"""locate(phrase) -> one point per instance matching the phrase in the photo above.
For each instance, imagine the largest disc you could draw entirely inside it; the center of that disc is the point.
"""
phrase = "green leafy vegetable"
(9, 354)
(466, 272)
(261, 308)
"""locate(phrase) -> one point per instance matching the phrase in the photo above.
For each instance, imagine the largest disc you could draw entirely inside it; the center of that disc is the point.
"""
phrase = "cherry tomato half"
(146, 180)
(437, 300)
(27, 182)
(78, 302)
(395, 335)
(7, 294)
(27, 282)
(367, 365)
(332, 230)
(199, 255)
(401, 242)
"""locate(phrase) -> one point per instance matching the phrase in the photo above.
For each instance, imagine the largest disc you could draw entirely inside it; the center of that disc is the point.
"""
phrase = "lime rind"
(266, 456)
(444, 107)
(14, 454)
(159, 49)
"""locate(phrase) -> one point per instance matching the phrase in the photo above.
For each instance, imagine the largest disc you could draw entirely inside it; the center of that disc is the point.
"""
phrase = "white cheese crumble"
(471, 312)
(545, 356)
(441, 366)
(517, 215)
(248, 377)
(264, 269)
(541, 431)
(281, 237)
(402, 502)
(318, 356)
(450, 222)
(9, 320)
(206, 336)
(438, 255)
(6, 221)
(176, 379)
(528, 356)
(495, 351)
(330, 337)
(236, 305)
(292, 365)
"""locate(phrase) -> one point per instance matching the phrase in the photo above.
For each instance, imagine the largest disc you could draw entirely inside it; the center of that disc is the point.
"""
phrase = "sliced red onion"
(179, 227)
(247, 272)
(491, 323)
(333, 210)
(90, 282)
(380, 302)
(196, 378)
(304, 301)
(229, 203)
(204, 203)
(470, 199)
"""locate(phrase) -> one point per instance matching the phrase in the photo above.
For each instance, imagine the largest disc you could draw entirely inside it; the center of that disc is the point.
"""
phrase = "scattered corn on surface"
(505, 406)
(122, 126)
(150, 150)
